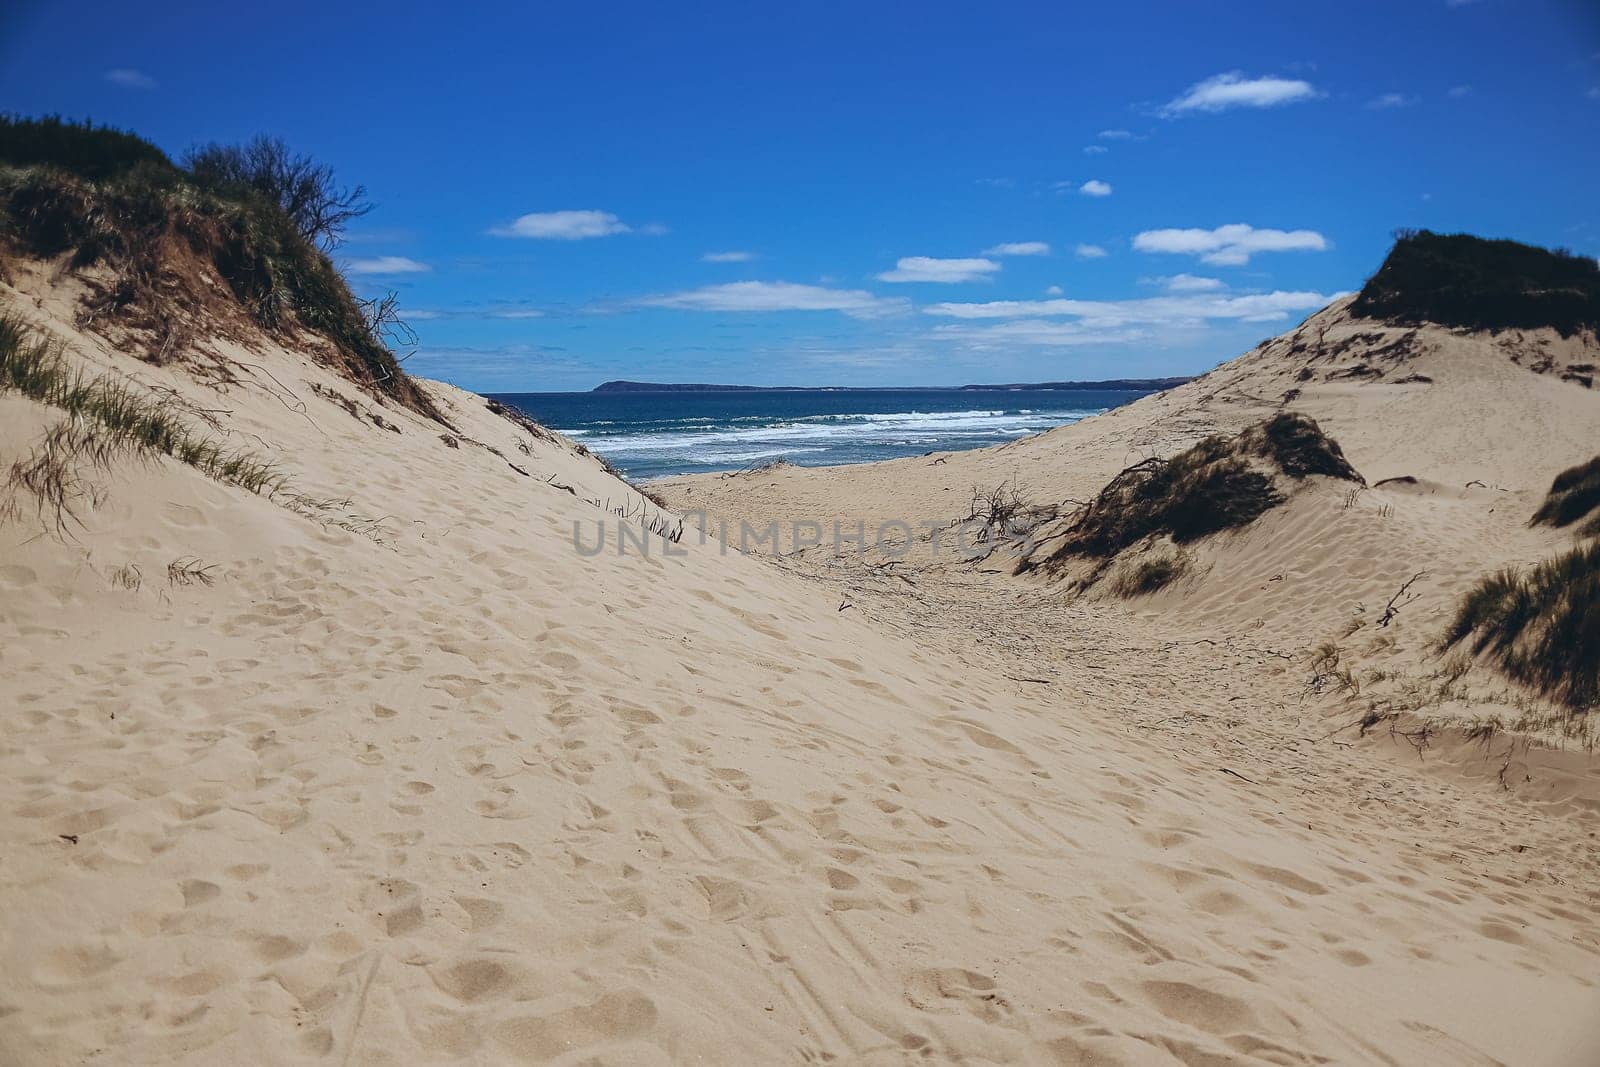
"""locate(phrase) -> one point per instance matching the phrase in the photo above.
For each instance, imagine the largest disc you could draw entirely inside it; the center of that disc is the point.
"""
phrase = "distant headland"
(1151, 385)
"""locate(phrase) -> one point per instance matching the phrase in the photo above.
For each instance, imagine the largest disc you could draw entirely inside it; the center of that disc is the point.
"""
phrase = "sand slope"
(422, 783)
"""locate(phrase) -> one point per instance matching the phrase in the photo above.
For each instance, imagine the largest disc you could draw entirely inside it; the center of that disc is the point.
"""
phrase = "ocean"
(656, 435)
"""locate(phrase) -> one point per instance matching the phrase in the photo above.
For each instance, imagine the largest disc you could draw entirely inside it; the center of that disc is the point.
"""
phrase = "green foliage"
(1541, 627)
(148, 222)
(1480, 284)
(1573, 495)
(80, 148)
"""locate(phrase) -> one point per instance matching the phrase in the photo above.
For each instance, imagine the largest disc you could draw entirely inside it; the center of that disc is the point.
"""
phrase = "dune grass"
(1573, 497)
(1542, 626)
(106, 419)
(1148, 576)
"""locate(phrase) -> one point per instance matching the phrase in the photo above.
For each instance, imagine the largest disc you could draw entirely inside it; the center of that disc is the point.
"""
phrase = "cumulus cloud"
(1229, 246)
(1090, 252)
(728, 257)
(386, 265)
(1095, 150)
(776, 296)
(1231, 90)
(1019, 248)
(563, 226)
(1054, 290)
(1095, 187)
(128, 78)
(929, 269)
(1190, 283)
(1152, 311)
(1388, 101)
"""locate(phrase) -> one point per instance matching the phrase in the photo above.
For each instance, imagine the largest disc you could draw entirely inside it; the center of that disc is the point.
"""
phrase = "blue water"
(654, 435)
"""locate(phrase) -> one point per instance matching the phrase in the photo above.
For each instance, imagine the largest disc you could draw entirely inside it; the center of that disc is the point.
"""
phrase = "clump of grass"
(128, 576)
(1297, 446)
(106, 419)
(1541, 627)
(189, 570)
(1574, 495)
(1149, 575)
(1461, 280)
(50, 473)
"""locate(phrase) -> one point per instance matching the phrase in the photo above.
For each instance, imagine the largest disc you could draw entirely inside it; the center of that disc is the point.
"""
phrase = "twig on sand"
(1236, 774)
(1393, 608)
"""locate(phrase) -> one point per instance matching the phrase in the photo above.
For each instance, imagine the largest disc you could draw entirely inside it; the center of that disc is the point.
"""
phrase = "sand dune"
(391, 772)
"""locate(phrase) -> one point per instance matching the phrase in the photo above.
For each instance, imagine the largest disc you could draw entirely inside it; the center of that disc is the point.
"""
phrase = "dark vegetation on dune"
(1481, 284)
(1542, 626)
(1219, 484)
(1573, 497)
(257, 217)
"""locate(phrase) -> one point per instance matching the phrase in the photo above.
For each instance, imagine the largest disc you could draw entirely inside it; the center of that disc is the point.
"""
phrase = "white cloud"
(776, 296)
(1054, 290)
(1019, 248)
(1152, 311)
(1233, 89)
(928, 269)
(728, 257)
(1393, 100)
(1191, 283)
(428, 314)
(1095, 187)
(1593, 94)
(386, 265)
(1116, 135)
(563, 225)
(1229, 246)
(1458, 91)
(1095, 150)
(128, 78)
(1037, 332)
(1090, 252)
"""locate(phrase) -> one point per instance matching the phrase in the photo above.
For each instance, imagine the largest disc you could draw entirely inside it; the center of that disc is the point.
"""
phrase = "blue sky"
(860, 194)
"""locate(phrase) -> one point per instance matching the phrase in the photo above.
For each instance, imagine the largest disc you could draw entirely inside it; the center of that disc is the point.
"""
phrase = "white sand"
(460, 794)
